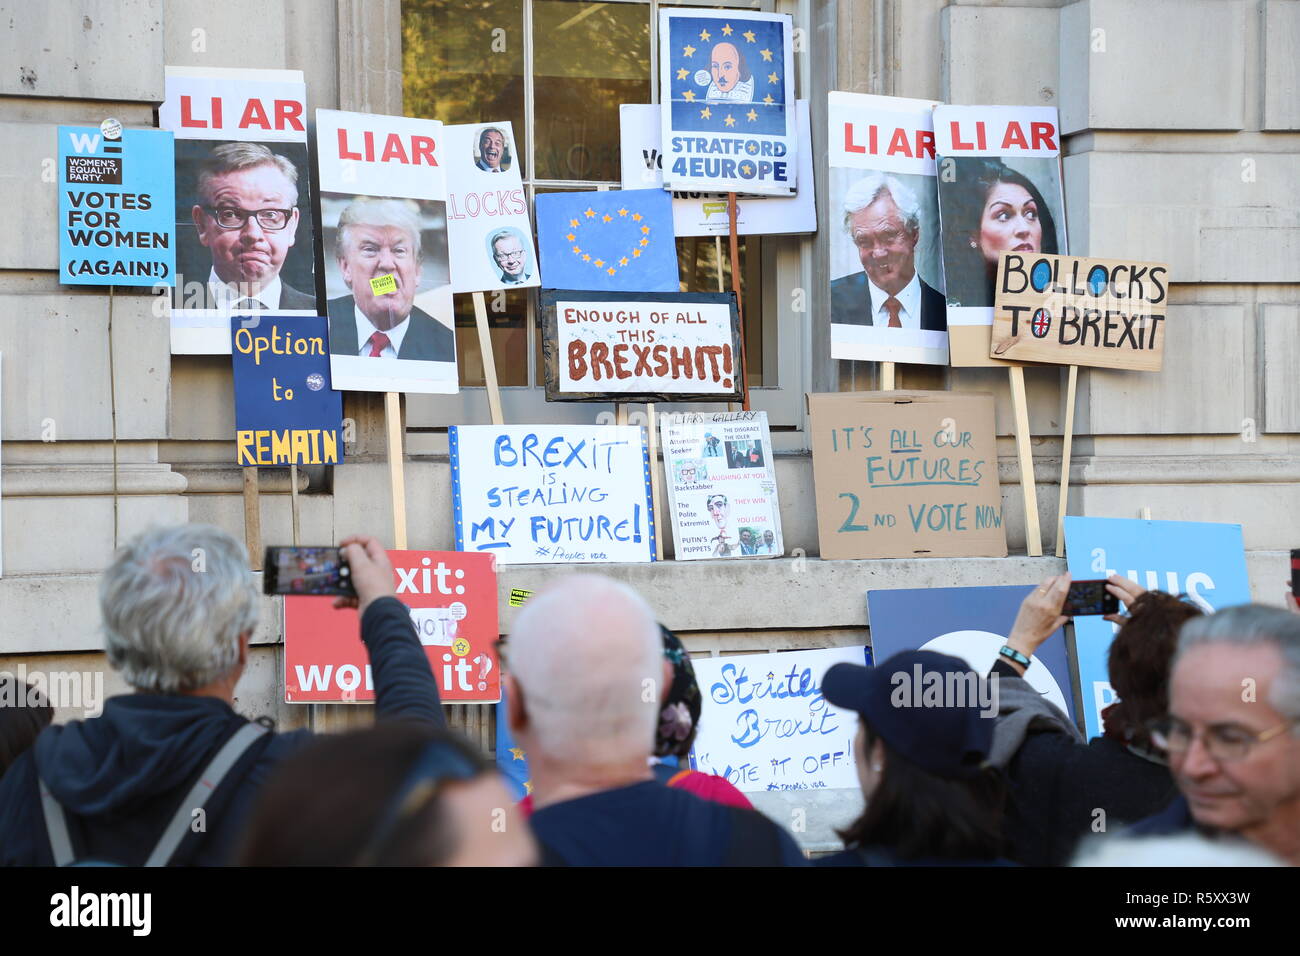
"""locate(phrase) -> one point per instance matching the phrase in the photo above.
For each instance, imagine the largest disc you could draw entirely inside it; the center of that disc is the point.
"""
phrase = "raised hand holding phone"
(372, 572)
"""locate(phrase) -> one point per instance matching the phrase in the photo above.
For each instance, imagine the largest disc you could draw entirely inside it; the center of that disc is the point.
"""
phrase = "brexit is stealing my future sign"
(285, 411)
(727, 77)
(115, 207)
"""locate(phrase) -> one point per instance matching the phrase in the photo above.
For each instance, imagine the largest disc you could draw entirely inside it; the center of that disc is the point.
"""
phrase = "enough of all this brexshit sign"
(764, 724)
(727, 77)
(116, 194)
(285, 411)
(553, 494)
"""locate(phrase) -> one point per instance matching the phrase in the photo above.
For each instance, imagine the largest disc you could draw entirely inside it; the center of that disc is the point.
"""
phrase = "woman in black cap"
(926, 725)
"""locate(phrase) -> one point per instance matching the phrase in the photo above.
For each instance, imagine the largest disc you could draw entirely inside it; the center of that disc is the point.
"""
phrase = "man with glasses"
(247, 218)
(508, 252)
(1233, 730)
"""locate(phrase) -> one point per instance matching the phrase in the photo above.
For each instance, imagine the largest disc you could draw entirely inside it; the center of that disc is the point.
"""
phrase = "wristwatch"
(1011, 654)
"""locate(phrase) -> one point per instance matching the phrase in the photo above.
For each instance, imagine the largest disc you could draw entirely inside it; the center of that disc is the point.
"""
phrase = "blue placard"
(286, 413)
(617, 241)
(970, 623)
(116, 202)
(1205, 561)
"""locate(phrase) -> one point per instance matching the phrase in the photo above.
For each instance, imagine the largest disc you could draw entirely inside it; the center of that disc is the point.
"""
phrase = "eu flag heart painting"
(616, 241)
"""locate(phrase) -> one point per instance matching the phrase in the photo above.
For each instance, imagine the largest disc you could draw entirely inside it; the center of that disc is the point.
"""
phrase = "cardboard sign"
(116, 200)
(285, 411)
(617, 241)
(1207, 562)
(453, 602)
(384, 210)
(728, 79)
(239, 134)
(1074, 310)
(640, 347)
(764, 724)
(906, 474)
(999, 190)
(553, 494)
(721, 485)
(487, 212)
(887, 302)
(703, 213)
(970, 623)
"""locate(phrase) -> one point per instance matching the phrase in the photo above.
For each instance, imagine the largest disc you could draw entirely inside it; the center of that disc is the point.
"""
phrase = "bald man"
(584, 687)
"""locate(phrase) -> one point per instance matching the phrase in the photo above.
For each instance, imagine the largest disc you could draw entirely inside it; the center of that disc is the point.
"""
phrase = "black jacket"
(851, 304)
(121, 776)
(427, 340)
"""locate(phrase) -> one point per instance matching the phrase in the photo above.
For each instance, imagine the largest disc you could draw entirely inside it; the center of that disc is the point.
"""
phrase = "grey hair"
(491, 129)
(175, 601)
(502, 234)
(870, 188)
(1254, 625)
(232, 157)
(398, 213)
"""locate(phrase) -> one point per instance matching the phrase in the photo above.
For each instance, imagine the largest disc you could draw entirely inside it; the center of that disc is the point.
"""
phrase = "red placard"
(453, 600)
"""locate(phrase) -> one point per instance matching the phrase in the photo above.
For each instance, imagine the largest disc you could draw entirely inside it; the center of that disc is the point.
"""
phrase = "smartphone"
(1089, 597)
(314, 571)
(1295, 573)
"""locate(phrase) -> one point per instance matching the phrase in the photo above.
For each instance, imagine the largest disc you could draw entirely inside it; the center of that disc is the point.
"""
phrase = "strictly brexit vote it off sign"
(1074, 310)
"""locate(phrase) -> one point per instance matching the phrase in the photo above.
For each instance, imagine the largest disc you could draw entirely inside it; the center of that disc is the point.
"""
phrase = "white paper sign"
(705, 214)
(764, 724)
(553, 494)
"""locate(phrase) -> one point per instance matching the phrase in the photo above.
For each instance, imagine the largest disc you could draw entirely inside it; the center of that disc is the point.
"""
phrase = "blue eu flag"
(617, 241)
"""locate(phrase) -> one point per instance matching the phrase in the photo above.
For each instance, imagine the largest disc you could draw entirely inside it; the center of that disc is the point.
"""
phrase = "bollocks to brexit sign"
(730, 123)
(116, 206)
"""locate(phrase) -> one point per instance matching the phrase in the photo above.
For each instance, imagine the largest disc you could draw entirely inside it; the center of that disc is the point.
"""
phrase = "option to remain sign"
(641, 347)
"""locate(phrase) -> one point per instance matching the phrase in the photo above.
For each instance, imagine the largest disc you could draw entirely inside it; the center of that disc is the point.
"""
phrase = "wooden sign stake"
(252, 519)
(489, 359)
(1145, 513)
(1065, 460)
(886, 376)
(1033, 535)
(735, 287)
(656, 503)
(397, 478)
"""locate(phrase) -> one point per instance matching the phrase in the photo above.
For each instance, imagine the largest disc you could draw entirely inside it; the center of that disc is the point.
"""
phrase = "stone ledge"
(62, 479)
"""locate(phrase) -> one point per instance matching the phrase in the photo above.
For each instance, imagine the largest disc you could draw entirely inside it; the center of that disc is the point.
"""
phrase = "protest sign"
(764, 724)
(1076, 310)
(285, 411)
(704, 213)
(616, 241)
(999, 190)
(887, 301)
(970, 623)
(384, 211)
(552, 494)
(1205, 561)
(728, 79)
(453, 602)
(641, 347)
(721, 485)
(487, 212)
(244, 224)
(906, 474)
(117, 201)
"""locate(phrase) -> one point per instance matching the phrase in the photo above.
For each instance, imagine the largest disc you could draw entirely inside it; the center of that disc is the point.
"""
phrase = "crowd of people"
(1199, 763)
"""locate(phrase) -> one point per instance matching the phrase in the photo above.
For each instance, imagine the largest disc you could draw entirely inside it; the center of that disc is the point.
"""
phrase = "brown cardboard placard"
(906, 474)
(1078, 310)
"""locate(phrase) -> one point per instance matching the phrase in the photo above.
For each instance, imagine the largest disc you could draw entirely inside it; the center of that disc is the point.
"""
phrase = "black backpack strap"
(754, 840)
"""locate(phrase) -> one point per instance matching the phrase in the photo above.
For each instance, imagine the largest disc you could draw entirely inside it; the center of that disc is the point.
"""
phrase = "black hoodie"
(121, 776)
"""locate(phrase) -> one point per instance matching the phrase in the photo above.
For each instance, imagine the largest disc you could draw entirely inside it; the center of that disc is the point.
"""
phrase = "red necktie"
(893, 306)
(378, 342)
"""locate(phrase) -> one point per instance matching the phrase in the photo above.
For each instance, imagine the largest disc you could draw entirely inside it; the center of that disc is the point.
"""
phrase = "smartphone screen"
(315, 571)
(1089, 597)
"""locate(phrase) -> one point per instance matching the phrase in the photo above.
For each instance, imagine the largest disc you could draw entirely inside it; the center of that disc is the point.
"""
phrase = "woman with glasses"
(1063, 788)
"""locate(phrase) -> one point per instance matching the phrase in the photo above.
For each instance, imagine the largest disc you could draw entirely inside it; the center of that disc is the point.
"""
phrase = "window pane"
(507, 315)
(588, 58)
(698, 266)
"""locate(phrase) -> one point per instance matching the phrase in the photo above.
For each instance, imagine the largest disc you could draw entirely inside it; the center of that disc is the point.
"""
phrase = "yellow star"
(607, 217)
(745, 168)
(636, 216)
(730, 120)
(773, 78)
(516, 753)
(571, 237)
(766, 54)
(622, 212)
(726, 30)
(636, 253)
(704, 35)
(645, 242)
(705, 113)
(768, 99)
(623, 261)
(645, 229)
(573, 223)
(577, 249)
(689, 96)
(586, 257)
(752, 116)
(748, 35)
(598, 263)
(610, 270)
(528, 786)
(590, 213)
(688, 50)
(683, 73)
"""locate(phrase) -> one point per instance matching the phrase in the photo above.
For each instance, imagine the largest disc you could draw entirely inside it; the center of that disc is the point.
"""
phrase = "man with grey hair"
(247, 218)
(166, 774)
(584, 686)
(508, 255)
(1233, 730)
(378, 252)
(883, 219)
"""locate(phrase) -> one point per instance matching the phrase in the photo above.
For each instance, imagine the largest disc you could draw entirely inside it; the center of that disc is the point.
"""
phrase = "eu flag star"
(688, 51)
(726, 30)
(636, 216)
(768, 99)
(705, 113)
(577, 250)
(623, 261)
(622, 212)
(516, 753)
(730, 120)
(573, 223)
(598, 263)
(607, 217)
(590, 213)
(586, 257)
(636, 253)
(683, 73)
(689, 96)
(751, 115)
(571, 237)
(645, 229)
(644, 242)
(766, 55)
(704, 35)
(749, 36)
(773, 78)
(610, 270)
